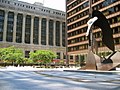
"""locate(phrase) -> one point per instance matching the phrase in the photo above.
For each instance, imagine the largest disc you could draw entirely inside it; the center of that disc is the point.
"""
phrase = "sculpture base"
(94, 62)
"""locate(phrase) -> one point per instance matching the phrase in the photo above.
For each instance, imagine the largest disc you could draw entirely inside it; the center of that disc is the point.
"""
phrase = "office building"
(32, 27)
(77, 17)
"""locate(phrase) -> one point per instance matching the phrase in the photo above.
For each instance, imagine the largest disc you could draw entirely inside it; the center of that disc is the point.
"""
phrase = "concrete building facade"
(32, 27)
(77, 17)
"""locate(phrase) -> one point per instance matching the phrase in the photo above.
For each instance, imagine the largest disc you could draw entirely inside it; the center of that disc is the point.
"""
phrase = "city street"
(57, 80)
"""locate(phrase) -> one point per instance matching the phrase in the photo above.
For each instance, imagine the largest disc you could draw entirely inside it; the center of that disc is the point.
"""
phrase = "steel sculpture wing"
(90, 23)
(107, 35)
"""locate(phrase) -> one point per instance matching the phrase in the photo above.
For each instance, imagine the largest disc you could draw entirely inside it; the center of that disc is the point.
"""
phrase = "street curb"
(93, 71)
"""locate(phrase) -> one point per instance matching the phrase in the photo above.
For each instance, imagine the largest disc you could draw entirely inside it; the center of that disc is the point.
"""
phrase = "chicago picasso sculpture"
(94, 61)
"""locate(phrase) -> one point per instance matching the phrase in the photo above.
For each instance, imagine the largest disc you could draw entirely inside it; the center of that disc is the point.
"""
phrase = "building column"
(54, 33)
(23, 28)
(5, 26)
(47, 32)
(14, 27)
(39, 31)
(61, 55)
(61, 33)
(31, 36)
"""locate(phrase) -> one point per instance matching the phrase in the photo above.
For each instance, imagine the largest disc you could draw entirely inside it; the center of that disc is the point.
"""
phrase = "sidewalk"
(29, 68)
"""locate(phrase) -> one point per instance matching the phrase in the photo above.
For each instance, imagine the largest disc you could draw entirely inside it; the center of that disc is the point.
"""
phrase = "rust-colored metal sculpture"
(93, 61)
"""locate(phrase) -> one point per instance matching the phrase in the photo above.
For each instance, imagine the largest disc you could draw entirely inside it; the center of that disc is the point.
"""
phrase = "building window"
(118, 18)
(27, 54)
(57, 33)
(71, 57)
(43, 31)
(51, 32)
(27, 29)
(63, 34)
(36, 30)
(10, 24)
(117, 40)
(2, 14)
(64, 56)
(58, 55)
(19, 28)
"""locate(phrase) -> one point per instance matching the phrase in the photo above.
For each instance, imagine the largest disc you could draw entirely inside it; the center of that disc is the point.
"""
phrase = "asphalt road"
(57, 80)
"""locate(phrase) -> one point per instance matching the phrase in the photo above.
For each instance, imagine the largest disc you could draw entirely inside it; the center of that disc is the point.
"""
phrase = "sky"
(54, 4)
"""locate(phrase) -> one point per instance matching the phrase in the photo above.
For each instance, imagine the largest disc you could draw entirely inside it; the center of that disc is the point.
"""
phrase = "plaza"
(14, 79)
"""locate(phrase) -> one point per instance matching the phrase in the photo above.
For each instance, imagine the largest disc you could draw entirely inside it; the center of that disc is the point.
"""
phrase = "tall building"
(77, 17)
(32, 27)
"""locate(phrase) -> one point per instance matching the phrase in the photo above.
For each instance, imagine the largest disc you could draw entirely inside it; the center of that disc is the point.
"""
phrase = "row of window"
(77, 24)
(97, 7)
(85, 46)
(114, 20)
(82, 14)
(115, 30)
(78, 9)
(19, 27)
(83, 30)
(105, 3)
(77, 48)
(112, 10)
(74, 4)
(5, 1)
(77, 32)
(82, 57)
(31, 7)
(77, 40)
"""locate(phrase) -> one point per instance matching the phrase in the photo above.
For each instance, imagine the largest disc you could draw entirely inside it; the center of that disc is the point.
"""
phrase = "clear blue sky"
(55, 4)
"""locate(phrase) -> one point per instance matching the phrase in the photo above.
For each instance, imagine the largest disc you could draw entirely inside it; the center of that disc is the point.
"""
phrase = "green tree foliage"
(11, 54)
(28, 61)
(43, 56)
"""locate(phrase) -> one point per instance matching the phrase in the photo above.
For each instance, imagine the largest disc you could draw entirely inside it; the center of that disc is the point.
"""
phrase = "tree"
(28, 60)
(11, 54)
(43, 56)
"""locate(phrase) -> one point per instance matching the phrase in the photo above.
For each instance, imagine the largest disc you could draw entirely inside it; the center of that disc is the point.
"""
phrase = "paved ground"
(57, 80)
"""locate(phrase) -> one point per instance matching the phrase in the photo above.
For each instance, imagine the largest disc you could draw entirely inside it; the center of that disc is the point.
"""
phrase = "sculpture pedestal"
(94, 62)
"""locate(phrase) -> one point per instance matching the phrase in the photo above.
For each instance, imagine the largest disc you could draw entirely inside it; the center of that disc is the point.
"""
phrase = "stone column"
(23, 29)
(47, 32)
(14, 27)
(61, 33)
(39, 31)
(31, 36)
(61, 55)
(5, 25)
(54, 33)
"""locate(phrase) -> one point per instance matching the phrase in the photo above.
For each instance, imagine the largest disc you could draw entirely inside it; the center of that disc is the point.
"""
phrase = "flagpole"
(90, 33)
(43, 2)
(66, 42)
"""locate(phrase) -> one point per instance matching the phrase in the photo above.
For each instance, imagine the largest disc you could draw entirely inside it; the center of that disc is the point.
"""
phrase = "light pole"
(66, 42)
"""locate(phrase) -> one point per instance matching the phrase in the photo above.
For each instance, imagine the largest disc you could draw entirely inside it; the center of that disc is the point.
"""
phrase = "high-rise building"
(32, 27)
(77, 17)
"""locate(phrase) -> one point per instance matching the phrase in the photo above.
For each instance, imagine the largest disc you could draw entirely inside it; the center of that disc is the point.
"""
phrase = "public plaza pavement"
(28, 78)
